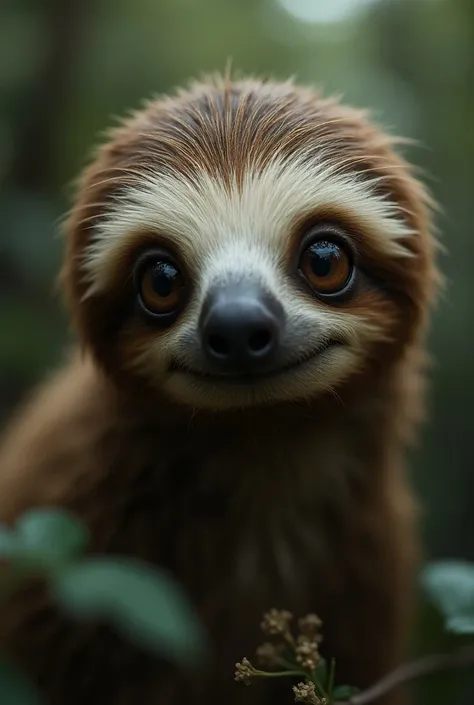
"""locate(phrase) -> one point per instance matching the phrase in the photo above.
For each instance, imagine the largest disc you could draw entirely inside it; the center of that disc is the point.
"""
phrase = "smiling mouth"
(255, 377)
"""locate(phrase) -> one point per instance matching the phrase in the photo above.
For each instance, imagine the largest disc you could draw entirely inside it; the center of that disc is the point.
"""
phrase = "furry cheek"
(147, 353)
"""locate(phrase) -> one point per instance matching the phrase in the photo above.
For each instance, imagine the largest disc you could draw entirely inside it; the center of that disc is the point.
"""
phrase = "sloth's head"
(246, 243)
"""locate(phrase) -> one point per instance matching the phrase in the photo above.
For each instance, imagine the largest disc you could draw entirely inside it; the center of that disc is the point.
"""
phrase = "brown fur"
(298, 506)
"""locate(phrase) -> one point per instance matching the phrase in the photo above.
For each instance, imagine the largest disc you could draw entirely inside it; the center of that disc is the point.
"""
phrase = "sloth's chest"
(244, 526)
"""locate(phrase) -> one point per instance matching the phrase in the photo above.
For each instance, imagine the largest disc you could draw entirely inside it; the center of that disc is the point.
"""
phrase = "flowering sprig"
(288, 655)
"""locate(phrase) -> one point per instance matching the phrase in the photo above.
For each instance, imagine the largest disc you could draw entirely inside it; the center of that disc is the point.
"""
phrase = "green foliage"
(450, 586)
(42, 540)
(321, 672)
(343, 692)
(447, 602)
(51, 533)
(15, 689)
(140, 601)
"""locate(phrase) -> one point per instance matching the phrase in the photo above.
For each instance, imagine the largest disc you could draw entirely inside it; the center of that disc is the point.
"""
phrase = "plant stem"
(426, 666)
(279, 674)
(318, 686)
(288, 637)
(330, 684)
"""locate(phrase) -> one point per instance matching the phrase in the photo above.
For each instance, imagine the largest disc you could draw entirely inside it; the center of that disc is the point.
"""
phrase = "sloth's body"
(244, 423)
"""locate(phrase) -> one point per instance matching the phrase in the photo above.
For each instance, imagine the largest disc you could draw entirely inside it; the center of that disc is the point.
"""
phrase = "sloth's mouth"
(256, 377)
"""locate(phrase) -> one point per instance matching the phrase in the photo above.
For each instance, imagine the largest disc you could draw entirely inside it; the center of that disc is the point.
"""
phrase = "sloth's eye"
(326, 266)
(161, 287)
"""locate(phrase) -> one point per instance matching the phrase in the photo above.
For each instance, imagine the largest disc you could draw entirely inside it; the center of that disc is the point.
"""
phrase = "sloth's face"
(254, 278)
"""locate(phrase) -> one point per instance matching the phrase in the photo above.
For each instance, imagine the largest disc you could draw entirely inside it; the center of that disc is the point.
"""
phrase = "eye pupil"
(164, 276)
(321, 263)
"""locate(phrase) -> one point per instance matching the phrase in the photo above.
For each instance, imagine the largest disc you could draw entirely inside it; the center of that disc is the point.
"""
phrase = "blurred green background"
(68, 66)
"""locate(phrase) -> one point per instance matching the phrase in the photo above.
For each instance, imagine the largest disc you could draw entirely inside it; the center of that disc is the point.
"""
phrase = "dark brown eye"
(161, 287)
(326, 266)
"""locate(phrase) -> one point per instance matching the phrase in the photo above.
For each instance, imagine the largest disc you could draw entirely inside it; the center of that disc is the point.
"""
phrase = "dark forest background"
(67, 67)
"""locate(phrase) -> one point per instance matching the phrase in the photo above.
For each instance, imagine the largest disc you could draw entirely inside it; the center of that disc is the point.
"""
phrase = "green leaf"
(140, 601)
(321, 672)
(51, 532)
(450, 585)
(15, 689)
(344, 692)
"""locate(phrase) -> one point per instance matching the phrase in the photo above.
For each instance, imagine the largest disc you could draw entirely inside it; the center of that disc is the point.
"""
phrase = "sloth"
(249, 269)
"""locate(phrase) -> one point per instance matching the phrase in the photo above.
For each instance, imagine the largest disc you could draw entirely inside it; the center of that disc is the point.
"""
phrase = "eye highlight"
(160, 285)
(326, 266)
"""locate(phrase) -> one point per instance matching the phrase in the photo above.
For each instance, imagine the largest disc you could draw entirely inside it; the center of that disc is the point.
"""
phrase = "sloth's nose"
(241, 329)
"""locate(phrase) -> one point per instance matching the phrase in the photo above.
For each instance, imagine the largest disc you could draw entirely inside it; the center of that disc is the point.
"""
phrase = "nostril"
(259, 340)
(218, 345)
